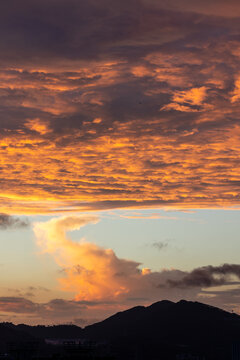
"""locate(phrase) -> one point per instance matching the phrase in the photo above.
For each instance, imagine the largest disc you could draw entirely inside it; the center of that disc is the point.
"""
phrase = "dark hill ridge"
(44, 332)
(167, 321)
(166, 329)
(162, 319)
(161, 330)
(12, 334)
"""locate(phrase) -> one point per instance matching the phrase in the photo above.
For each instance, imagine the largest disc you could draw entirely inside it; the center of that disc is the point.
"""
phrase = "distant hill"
(183, 321)
(52, 332)
(10, 333)
(163, 330)
(166, 328)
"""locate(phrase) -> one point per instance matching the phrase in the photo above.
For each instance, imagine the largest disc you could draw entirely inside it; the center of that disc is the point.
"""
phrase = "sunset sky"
(119, 156)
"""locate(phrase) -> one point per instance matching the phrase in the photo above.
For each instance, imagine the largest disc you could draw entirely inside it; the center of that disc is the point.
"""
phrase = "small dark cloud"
(12, 222)
(29, 294)
(207, 276)
(160, 245)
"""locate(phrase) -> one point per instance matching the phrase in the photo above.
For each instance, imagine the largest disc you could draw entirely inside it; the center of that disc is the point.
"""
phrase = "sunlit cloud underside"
(138, 109)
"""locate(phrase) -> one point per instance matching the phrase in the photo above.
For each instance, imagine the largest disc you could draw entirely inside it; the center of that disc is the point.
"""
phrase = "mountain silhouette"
(168, 321)
(166, 328)
(163, 330)
(54, 332)
(10, 333)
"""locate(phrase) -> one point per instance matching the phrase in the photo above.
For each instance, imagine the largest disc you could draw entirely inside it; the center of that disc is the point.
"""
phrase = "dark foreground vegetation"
(164, 330)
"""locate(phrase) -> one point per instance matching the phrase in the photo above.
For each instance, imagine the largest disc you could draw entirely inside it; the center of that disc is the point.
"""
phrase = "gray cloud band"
(207, 276)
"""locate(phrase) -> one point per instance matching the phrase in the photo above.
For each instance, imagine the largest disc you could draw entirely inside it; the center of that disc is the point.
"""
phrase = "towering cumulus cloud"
(102, 283)
(97, 274)
(92, 272)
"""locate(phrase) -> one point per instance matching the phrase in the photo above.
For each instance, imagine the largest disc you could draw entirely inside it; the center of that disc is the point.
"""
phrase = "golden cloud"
(100, 279)
(96, 274)
(154, 126)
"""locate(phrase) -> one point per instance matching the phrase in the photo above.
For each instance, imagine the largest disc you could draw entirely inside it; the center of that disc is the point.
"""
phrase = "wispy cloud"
(151, 216)
(160, 245)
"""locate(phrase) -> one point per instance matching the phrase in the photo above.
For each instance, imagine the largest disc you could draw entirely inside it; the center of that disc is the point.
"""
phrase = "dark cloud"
(76, 30)
(213, 7)
(17, 305)
(12, 222)
(208, 276)
(60, 29)
(160, 245)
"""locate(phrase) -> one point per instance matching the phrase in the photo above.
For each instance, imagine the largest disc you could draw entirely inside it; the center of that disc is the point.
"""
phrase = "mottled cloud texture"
(126, 104)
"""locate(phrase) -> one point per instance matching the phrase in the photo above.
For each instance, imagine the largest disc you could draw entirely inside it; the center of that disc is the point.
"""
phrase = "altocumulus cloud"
(144, 95)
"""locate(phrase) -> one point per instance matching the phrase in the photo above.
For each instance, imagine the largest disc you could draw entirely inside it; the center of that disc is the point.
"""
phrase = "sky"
(119, 156)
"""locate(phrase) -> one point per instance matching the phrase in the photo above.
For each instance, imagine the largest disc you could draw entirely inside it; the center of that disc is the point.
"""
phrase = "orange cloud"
(92, 272)
(154, 126)
(96, 274)
(102, 281)
(38, 126)
(183, 99)
(181, 170)
(194, 96)
(236, 91)
(178, 107)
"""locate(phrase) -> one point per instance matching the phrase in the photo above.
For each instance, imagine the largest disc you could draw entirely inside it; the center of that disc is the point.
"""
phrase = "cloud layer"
(126, 105)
